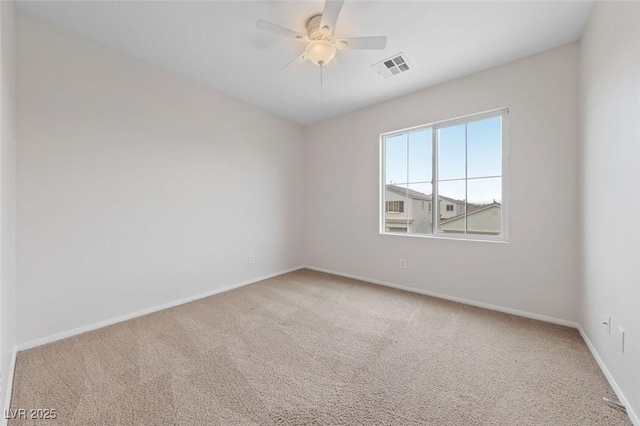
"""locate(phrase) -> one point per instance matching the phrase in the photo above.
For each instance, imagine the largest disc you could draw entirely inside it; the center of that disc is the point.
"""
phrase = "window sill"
(444, 237)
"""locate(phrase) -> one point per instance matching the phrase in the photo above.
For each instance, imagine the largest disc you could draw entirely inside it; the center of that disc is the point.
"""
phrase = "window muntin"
(461, 162)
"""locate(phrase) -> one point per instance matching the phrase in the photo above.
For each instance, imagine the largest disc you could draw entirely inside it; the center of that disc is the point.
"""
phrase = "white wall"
(537, 271)
(610, 133)
(137, 188)
(7, 191)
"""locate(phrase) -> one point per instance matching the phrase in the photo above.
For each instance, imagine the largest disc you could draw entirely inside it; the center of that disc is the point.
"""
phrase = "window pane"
(419, 208)
(484, 210)
(396, 159)
(469, 179)
(420, 156)
(451, 152)
(484, 147)
(396, 205)
(451, 205)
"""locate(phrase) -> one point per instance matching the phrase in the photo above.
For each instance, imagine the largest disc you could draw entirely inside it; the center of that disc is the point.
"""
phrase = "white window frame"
(504, 235)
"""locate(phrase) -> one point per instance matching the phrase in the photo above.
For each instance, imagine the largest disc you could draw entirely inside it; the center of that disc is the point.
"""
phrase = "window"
(459, 165)
(395, 206)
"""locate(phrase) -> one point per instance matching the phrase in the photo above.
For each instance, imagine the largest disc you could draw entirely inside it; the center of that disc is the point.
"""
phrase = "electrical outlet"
(606, 322)
(621, 338)
(252, 259)
(403, 263)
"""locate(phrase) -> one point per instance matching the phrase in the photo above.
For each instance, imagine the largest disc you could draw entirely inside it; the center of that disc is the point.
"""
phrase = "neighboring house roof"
(472, 209)
(418, 195)
(451, 199)
(405, 191)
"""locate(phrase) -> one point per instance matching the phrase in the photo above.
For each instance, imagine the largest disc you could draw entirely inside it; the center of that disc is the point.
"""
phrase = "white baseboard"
(6, 403)
(511, 311)
(623, 400)
(94, 326)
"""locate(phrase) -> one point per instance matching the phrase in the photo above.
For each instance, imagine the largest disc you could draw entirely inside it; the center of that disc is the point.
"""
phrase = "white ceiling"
(218, 45)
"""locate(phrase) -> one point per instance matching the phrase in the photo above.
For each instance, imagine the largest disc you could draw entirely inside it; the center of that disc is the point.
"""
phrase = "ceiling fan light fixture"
(320, 52)
(321, 45)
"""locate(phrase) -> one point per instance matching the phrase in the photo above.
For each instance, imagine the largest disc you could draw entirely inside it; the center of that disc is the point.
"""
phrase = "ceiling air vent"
(392, 66)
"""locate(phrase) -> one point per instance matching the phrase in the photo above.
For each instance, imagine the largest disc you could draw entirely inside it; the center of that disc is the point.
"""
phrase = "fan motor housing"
(314, 31)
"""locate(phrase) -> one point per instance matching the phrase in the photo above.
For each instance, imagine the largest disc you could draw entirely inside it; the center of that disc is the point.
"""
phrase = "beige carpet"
(311, 348)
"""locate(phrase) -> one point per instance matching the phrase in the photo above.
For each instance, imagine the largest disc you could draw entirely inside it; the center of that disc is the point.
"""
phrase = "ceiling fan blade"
(372, 43)
(300, 59)
(277, 29)
(330, 14)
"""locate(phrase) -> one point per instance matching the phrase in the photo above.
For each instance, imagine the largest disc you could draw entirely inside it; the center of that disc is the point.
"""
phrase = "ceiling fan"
(321, 46)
